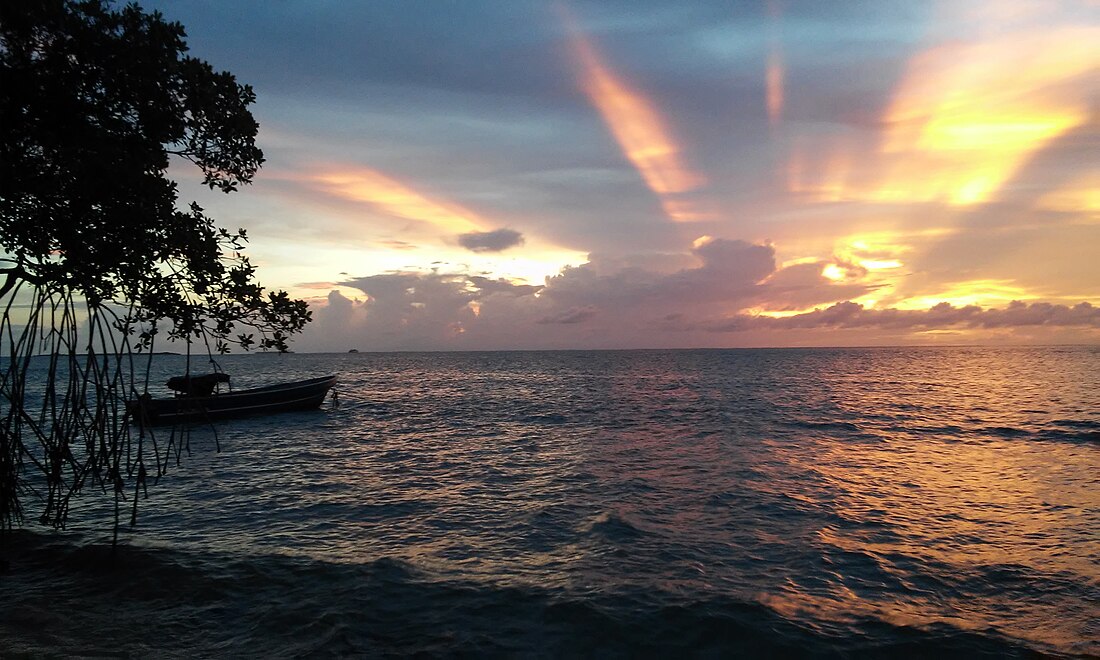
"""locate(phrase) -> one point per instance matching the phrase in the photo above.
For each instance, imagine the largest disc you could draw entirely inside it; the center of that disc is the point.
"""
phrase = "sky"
(446, 175)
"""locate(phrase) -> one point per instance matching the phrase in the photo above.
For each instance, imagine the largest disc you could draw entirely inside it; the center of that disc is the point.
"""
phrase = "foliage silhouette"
(97, 253)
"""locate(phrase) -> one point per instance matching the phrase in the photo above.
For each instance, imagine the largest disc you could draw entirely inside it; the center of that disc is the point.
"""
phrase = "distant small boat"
(196, 401)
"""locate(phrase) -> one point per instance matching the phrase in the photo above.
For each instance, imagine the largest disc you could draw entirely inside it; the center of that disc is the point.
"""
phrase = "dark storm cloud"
(497, 240)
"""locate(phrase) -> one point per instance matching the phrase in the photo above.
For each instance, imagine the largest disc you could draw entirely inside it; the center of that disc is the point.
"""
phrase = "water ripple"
(809, 503)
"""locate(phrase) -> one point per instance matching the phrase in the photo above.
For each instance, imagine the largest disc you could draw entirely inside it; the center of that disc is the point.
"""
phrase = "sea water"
(887, 502)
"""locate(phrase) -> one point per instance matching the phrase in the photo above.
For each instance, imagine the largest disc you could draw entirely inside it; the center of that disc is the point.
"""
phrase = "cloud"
(943, 315)
(395, 245)
(497, 240)
(488, 286)
(644, 302)
(804, 285)
(322, 286)
(726, 272)
(571, 315)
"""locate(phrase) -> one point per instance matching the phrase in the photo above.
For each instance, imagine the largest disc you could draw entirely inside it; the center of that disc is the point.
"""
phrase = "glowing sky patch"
(877, 250)
(880, 264)
(834, 273)
(776, 314)
(963, 119)
(980, 292)
(970, 114)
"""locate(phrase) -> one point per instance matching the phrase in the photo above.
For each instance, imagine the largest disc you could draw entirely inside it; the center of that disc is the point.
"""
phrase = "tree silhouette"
(95, 102)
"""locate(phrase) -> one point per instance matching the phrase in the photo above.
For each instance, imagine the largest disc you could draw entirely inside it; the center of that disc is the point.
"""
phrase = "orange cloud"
(638, 129)
(396, 199)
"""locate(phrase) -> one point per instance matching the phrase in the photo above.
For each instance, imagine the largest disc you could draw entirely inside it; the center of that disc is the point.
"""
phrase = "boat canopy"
(197, 385)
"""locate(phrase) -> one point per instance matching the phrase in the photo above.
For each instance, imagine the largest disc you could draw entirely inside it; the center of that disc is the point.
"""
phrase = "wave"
(171, 604)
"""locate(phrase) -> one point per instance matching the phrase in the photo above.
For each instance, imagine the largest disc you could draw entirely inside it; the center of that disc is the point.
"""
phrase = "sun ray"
(775, 71)
(639, 130)
(397, 199)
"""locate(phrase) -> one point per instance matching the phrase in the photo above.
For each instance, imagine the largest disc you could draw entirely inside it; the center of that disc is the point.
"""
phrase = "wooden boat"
(198, 403)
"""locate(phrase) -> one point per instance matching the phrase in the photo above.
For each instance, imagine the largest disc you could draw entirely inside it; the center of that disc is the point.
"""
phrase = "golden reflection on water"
(921, 515)
(941, 515)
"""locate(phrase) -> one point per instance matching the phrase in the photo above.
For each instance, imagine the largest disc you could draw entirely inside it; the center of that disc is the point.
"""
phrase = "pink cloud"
(618, 303)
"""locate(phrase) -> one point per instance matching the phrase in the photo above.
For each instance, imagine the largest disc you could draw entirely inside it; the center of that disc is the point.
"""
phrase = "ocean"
(819, 503)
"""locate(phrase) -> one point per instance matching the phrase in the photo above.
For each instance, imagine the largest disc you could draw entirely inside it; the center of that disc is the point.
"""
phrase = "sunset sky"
(619, 174)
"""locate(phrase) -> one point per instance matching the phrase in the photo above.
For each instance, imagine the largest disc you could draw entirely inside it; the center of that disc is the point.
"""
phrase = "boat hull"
(299, 395)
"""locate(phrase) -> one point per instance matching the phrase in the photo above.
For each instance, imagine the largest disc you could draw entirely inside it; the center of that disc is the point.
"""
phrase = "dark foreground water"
(804, 503)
